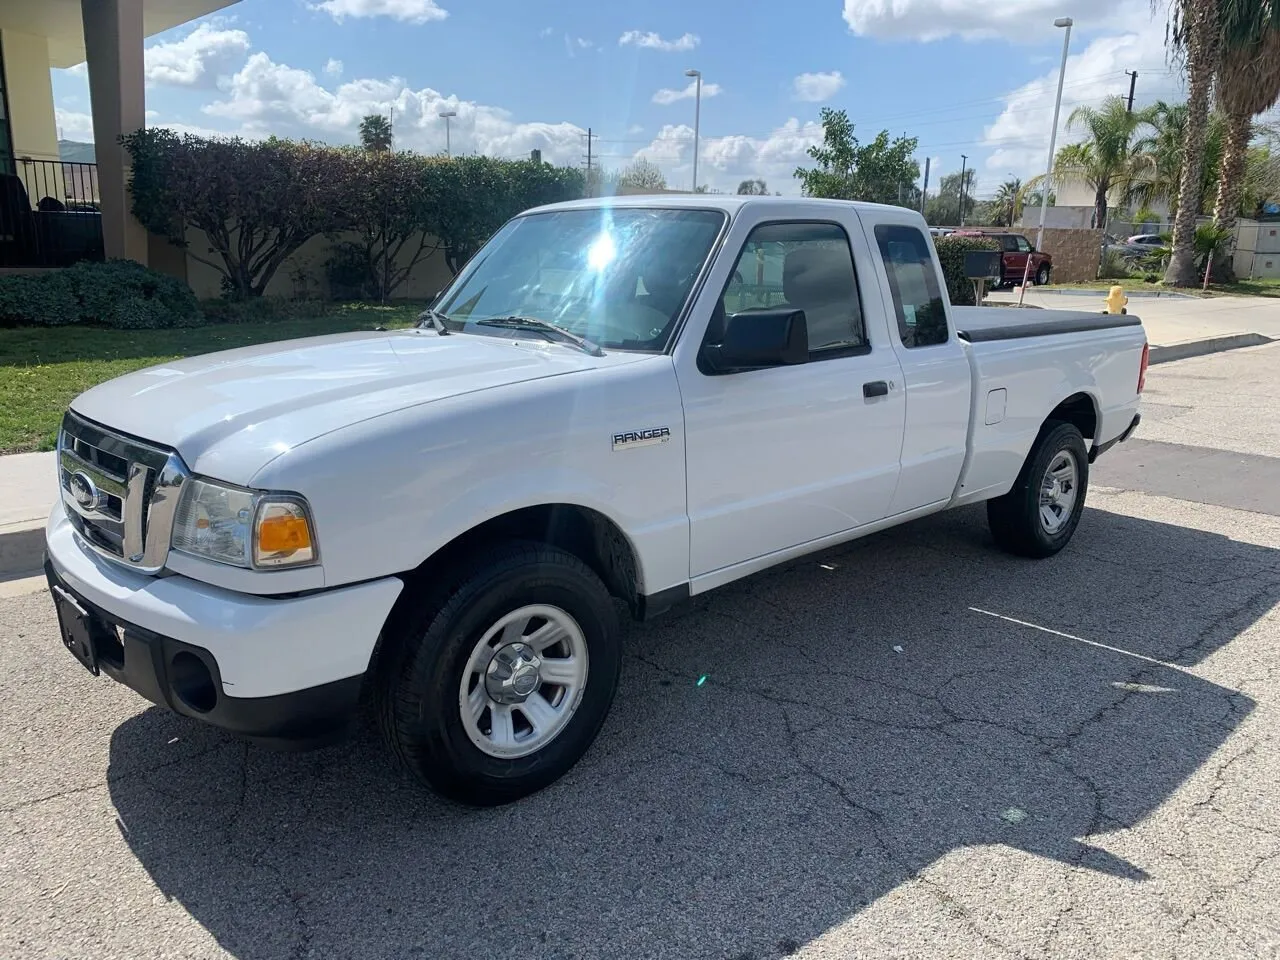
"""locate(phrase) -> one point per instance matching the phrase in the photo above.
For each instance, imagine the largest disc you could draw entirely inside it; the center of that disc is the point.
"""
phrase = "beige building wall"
(29, 89)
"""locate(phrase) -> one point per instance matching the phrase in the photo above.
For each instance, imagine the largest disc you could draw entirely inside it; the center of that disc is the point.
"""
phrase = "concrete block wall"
(1076, 252)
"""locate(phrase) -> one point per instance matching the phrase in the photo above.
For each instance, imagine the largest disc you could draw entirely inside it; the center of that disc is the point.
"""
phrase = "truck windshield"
(617, 276)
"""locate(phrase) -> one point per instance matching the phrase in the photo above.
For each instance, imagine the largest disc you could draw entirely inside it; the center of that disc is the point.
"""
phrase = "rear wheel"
(494, 688)
(1040, 514)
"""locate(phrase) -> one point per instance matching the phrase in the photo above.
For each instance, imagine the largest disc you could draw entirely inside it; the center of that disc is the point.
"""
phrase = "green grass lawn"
(1269, 287)
(43, 368)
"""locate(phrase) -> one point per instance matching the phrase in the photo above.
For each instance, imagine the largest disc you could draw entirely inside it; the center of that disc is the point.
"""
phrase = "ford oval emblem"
(84, 491)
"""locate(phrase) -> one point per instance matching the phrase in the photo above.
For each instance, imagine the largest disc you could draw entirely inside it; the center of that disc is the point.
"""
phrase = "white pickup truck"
(634, 400)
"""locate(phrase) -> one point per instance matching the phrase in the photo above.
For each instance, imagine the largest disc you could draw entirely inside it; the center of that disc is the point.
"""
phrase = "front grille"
(119, 493)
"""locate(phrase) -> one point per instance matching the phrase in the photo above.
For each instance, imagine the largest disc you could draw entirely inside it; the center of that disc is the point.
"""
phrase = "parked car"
(1134, 247)
(443, 517)
(1015, 248)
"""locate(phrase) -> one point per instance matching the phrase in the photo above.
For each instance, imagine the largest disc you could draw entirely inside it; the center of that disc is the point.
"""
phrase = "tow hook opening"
(192, 682)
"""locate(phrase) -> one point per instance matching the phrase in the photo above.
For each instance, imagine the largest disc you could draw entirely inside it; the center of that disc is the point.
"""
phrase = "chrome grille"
(120, 494)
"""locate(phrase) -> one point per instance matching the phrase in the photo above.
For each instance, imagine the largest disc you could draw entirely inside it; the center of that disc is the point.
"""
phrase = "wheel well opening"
(589, 535)
(1077, 410)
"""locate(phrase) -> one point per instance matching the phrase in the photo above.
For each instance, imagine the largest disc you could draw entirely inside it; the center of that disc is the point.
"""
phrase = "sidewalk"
(30, 488)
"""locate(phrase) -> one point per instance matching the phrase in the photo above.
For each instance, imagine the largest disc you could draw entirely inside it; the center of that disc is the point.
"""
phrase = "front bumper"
(276, 669)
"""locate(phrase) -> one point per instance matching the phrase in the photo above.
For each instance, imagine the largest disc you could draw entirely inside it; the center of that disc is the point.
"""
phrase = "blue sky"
(965, 78)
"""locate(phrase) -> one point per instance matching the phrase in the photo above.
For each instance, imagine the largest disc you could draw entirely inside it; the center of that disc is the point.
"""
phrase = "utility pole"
(589, 138)
(964, 159)
(924, 191)
(1133, 82)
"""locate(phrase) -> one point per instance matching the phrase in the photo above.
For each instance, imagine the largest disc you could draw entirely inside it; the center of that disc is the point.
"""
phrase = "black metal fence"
(49, 214)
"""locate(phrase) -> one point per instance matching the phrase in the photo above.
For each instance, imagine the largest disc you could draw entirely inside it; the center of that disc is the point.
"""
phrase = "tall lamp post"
(964, 159)
(446, 116)
(1053, 141)
(697, 119)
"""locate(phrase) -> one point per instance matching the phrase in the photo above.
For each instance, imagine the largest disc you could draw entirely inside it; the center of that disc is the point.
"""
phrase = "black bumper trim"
(144, 662)
(1100, 448)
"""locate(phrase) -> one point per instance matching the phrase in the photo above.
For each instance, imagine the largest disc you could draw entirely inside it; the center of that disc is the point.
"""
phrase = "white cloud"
(573, 44)
(816, 87)
(723, 162)
(1019, 137)
(653, 41)
(408, 11)
(333, 67)
(73, 125)
(546, 32)
(667, 96)
(1029, 21)
(198, 59)
(635, 128)
(266, 97)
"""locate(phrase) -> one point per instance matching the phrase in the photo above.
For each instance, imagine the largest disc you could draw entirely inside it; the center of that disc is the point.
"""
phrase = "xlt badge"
(640, 438)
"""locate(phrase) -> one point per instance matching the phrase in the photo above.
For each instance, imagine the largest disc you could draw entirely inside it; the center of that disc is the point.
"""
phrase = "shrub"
(951, 251)
(1113, 266)
(118, 293)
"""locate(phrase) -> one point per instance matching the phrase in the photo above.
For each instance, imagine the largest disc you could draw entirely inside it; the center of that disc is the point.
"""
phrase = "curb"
(1201, 348)
(21, 549)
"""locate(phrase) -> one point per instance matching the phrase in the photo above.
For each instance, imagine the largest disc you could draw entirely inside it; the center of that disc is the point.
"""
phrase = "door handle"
(876, 388)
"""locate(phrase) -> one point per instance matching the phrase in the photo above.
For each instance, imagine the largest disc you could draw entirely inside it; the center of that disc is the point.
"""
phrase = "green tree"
(753, 188)
(1194, 38)
(1159, 156)
(375, 133)
(1248, 83)
(943, 208)
(642, 175)
(255, 202)
(1007, 203)
(847, 170)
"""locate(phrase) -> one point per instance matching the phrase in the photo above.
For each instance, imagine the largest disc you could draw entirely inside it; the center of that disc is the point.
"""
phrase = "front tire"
(1042, 275)
(495, 687)
(1038, 517)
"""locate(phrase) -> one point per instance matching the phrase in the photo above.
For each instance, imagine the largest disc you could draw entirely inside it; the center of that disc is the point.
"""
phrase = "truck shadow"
(863, 716)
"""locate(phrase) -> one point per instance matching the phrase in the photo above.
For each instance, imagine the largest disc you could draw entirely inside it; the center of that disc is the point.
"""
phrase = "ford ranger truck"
(632, 400)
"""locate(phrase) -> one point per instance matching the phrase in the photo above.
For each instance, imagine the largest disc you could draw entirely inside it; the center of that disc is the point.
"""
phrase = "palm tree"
(1194, 37)
(1105, 160)
(1008, 201)
(1159, 157)
(1248, 84)
(375, 133)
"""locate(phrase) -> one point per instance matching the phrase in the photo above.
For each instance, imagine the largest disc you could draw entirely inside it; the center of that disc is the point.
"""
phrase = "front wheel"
(1039, 515)
(1042, 275)
(495, 688)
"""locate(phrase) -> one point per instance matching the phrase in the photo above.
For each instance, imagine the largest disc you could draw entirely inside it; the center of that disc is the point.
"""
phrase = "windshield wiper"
(436, 319)
(543, 326)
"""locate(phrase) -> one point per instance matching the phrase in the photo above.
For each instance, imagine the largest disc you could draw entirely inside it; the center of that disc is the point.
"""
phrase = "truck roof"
(729, 203)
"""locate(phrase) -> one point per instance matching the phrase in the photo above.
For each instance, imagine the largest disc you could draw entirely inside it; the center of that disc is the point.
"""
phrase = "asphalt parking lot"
(913, 746)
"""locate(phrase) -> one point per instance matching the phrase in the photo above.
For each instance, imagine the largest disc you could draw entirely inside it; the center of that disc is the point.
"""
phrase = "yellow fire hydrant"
(1116, 300)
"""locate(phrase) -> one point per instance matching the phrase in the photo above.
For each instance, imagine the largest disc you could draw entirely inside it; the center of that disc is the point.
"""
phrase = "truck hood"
(227, 414)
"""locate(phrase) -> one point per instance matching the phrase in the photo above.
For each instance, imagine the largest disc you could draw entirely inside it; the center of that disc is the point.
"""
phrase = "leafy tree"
(1007, 203)
(753, 188)
(944, 206)
(256, 203)
(375, 133)
(642, 175)
(1159, 156)
(848, 170)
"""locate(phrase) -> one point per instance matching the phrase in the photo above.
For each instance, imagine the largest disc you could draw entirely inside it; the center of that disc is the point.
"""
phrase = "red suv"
(1014, 252)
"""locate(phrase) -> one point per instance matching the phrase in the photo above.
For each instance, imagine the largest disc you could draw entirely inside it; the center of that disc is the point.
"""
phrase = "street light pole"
(697, 120)
(964, 159)
(447, 115)
(1053, 141)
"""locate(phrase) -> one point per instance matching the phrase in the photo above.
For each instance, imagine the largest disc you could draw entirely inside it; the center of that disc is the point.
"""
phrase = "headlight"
(245, 528)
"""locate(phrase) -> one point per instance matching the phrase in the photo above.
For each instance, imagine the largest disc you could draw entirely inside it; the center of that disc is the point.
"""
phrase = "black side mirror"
(759, 339)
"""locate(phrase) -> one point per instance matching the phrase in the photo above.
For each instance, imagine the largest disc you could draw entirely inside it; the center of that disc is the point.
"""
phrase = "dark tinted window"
(917, 299)
(808, 266)
(1023, 246)
(1009, 244)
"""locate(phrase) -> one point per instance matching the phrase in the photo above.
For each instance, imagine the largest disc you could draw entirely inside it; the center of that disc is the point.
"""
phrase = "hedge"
(118, 293)
(951, 251)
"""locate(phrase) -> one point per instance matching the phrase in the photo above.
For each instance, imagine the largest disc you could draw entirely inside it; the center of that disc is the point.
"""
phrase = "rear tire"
(1038, 517)
(462, 699)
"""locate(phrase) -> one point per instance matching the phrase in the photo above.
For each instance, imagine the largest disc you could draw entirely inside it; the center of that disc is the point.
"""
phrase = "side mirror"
(760, 339)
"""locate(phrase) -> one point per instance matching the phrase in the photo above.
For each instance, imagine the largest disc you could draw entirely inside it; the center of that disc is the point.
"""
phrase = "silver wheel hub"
(1058, 491)
(513, 674)
(523, 681)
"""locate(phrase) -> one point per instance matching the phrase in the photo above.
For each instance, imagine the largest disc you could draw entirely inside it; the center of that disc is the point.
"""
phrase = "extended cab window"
(808, 266)
(917, 300)
(1023, 246)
